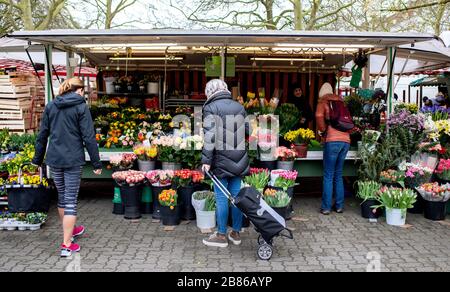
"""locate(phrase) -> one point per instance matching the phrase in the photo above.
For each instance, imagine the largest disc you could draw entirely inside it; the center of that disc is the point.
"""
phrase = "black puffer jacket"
(225, 162)
(67, 123)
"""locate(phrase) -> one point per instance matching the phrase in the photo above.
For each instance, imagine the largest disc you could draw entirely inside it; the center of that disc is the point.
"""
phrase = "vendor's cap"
(325, 89)
(215, 86)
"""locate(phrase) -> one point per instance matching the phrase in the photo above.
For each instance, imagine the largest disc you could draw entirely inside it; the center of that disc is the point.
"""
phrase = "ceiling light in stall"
(357, 46)
(124, 45)
(147, 58)
(286, 59)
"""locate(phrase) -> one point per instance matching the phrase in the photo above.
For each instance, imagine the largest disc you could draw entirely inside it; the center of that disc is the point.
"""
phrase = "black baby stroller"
(266, 221)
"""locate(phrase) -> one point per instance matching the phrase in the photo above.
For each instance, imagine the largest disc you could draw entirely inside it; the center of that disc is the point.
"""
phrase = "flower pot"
(270, 165)
(118, 207)
(146, 165)
(290, 207)
(267, 156)
(301, 149)
(368, 212)
(206, 219)
(131, 198)
(282, 211)
(171, 166)
(434, 210)
(156, 190)
(417, 206)
(170, 217)
(286, 165)
(187, 211)
(153, 88)
(146, 201)
(396, 217)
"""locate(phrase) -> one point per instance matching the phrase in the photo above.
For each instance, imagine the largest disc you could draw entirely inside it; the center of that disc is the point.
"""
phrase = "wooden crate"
(15, 114)
(15, 104)
(22, 125)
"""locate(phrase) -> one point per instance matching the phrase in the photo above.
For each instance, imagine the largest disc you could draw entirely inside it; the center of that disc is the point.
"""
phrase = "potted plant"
(286, 158)
(436, 197)
(204, 203)
(368, 192)
(258, 178)
(416, 175)
(396, 201)
(146, 156)
(301, 139)
(130, 182)
(291, 115)
(159, 180)
(189, 151)
(170, 212)
(278, 200)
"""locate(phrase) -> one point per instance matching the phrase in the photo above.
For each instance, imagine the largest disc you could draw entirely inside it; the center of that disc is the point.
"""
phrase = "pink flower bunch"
(285, 154)
(444, 164)
(289, 175)
(255, 170)
(415, 170)
(160, 177)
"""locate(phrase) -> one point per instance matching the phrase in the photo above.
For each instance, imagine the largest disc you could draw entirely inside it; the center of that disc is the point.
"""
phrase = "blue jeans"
(234, 186)
(333, 165)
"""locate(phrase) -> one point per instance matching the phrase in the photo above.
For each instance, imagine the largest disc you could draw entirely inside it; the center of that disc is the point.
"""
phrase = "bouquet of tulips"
(258, 178)
(168, 198)
(160, 177)
(396, 198)
(434, 192)
(392, 176)
(276, 199)
(285, 179)
(129, 177)
(186, 177)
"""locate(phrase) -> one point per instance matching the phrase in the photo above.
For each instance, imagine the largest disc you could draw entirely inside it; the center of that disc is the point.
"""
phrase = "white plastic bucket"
(153, 88)
(396, 217)
(206, 219)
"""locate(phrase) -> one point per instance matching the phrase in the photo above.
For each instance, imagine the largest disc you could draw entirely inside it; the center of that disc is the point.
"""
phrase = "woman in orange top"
(337, 144)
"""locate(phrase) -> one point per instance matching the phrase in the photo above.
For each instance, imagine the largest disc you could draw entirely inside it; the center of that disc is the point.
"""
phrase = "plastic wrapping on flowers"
(433, 192)
(160, 177)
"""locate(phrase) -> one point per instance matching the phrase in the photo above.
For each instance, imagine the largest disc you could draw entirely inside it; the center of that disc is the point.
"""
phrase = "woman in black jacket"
(224, 154)
(67, 127)
(301, 102)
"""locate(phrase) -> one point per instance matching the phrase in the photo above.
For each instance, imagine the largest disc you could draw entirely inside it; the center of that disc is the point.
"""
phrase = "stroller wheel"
(265, 252)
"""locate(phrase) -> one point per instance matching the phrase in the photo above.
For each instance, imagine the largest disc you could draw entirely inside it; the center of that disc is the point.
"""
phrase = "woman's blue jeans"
(222, 206)
(333, 165)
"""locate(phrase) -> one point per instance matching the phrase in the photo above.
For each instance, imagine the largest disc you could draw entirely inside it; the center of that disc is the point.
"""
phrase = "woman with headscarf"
(224, 154)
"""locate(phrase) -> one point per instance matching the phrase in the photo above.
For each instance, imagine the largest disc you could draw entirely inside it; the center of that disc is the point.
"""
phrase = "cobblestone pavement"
(339, 242)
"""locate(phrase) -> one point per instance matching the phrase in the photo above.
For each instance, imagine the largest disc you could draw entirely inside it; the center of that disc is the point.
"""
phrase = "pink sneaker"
(78, 230)
(67, 251)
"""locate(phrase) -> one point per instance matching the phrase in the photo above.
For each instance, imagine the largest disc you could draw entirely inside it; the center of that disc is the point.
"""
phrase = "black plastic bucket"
(435, 211)
(368, 212)
(170, 217)
(187, 211)
(282, 211)
(418, 205)
(131, 198)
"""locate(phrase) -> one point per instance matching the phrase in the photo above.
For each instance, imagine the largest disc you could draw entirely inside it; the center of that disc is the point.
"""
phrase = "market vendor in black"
(300, 101)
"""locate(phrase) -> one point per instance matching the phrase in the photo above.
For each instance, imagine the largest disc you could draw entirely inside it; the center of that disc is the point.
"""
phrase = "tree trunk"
(298, 14)
(27, 16)
(438, 20)
(108, 16)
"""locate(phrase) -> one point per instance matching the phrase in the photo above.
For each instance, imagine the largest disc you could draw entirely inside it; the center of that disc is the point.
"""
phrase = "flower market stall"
(147, 77)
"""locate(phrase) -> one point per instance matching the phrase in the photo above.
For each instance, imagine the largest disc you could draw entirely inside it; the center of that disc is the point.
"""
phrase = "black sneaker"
(216, 241)
(325, 212)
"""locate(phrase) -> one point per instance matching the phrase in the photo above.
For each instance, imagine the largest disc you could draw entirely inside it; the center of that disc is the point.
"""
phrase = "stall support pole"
(69, 68)
(390, 81)
(48, 74)
(222, 63)
(366, 81)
